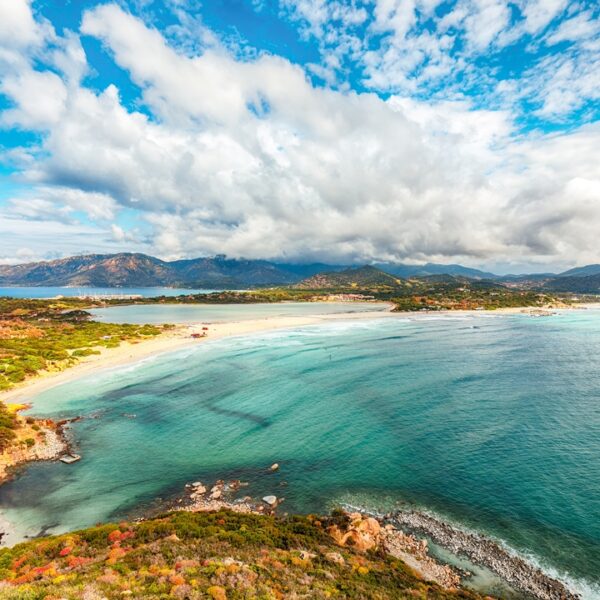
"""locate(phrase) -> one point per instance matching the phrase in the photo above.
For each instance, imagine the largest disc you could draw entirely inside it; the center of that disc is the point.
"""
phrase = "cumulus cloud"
(40, 98)
(246, 157)
(18, 28)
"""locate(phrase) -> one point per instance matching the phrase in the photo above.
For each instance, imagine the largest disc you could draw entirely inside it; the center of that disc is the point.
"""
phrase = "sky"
(312, 130)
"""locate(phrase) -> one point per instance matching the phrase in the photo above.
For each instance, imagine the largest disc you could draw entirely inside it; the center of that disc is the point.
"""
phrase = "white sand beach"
(174, 339)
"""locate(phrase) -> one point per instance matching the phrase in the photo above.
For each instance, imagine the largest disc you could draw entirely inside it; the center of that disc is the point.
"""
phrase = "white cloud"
(122, 236)
(581, 27)
(40, 98)
(558, 85)
(26, 240)
(245, 157)
(539, 13)
(17, 26)
(485, 21)
(427, 49)
(62, 204)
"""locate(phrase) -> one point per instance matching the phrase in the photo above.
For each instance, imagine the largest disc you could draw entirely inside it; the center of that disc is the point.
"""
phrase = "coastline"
(52, 443)
(180, 337)
(518, 572)
(361, 530)
(48, 443)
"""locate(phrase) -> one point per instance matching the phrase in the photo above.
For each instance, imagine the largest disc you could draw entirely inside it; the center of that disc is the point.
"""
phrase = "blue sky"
(407, 130)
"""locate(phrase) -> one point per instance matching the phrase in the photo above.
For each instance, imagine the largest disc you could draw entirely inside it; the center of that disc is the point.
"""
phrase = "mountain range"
(141, 270)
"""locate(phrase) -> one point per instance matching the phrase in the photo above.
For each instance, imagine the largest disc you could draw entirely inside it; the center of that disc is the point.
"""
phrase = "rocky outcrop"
(365, 533)
(362, 533)
(220, 496)
(38, 439)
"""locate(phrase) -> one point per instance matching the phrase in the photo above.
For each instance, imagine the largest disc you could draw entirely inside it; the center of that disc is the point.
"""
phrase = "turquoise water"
(52, 292)
(218, 313)
(493, 422)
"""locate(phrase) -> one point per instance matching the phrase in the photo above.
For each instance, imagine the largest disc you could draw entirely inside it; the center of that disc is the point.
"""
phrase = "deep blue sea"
(492, 422)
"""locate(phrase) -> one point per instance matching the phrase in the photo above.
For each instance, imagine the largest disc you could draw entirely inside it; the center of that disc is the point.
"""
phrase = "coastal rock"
(218, 498)
(49, 444)
(362, 533)
(365, 533)
(270, 500)
(513, 569)
(414, 553)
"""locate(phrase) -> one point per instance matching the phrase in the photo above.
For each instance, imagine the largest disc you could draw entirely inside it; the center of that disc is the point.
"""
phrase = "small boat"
(69, 459)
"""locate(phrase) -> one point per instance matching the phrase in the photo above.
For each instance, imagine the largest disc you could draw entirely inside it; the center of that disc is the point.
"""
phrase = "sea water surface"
(492, 422)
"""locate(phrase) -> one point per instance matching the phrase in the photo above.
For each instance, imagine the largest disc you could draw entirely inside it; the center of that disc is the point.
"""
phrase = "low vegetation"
(436, 292)
(366, 277)
(256, 296)
(38, 335)
(472, 295)
(220, 555)
(8, 426)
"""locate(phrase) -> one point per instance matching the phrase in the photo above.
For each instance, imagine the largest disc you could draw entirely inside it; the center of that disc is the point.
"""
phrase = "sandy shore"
(177, 338)
(181, 337)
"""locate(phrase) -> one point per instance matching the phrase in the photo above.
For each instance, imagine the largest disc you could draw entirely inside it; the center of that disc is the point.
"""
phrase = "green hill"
(220, 555)
(366, 277)
(586, 271)
(583, 284)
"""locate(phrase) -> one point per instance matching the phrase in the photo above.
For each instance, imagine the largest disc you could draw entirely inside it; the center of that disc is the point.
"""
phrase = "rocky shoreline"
(37, 439)
(398, 534)
(358, 531)
(223, 495)
(517, 572)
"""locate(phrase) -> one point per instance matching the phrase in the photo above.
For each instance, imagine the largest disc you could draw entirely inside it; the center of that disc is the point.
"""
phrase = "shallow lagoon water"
(493, 422)
(220, 313)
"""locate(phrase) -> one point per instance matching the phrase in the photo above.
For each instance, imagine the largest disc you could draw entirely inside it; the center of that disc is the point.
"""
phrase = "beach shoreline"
(177, 338)
(180, 338)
